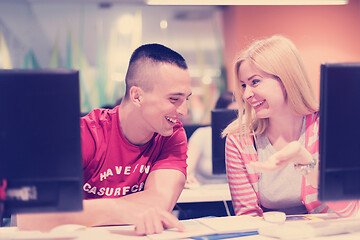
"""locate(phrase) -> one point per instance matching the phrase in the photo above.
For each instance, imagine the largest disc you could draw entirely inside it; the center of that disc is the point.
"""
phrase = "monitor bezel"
(67, 189)
(220, 119)
(337, 183)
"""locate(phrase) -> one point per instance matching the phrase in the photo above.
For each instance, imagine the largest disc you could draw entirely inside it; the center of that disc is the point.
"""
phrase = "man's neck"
(132, 125)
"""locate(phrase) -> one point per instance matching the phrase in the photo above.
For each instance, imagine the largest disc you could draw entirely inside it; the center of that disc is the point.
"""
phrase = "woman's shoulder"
(240, 139)
(312, 117)
(312, 120)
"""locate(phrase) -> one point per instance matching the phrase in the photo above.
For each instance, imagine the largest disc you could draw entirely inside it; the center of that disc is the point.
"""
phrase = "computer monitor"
(220, 119)
(339, 126)
(40, 141)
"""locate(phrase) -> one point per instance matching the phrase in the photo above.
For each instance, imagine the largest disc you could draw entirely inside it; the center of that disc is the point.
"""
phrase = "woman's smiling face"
(263, 91)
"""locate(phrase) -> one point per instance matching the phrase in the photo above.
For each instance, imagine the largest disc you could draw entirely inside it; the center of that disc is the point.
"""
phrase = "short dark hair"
(158, 53)
(155, 53)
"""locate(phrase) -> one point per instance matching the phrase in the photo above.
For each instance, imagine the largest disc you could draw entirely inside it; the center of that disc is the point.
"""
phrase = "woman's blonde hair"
(279, 57)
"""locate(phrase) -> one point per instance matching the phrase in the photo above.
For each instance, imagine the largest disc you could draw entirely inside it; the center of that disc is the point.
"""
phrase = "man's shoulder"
(178, 124)
(178, 129)
(100, 115)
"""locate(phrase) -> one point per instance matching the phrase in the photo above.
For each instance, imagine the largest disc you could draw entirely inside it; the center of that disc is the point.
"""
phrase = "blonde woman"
(272, 149)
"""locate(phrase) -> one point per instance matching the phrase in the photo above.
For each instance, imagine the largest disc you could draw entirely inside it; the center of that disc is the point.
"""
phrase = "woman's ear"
(136, 95)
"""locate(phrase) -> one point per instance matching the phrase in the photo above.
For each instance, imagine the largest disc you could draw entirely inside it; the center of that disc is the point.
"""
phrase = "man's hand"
(154, 220)
(149, 210)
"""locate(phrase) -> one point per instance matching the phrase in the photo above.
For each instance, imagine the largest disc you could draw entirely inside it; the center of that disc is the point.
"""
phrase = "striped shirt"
(244, 181)
(275, 193)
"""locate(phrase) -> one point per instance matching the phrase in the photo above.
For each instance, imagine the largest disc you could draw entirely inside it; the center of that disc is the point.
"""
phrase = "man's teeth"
(257, 104)
(171, 120)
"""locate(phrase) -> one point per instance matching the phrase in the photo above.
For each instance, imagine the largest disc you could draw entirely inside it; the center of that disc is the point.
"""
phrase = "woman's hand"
(294, 153)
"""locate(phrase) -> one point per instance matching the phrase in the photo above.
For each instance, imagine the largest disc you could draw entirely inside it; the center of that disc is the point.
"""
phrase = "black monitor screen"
(40, 140)
(220, 119)
(339, 145)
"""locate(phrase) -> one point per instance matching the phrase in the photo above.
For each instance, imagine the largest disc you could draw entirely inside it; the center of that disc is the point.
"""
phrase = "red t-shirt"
(113, 167)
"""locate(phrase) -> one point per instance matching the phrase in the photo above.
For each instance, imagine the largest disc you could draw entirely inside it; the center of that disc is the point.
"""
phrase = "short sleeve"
(173, 152)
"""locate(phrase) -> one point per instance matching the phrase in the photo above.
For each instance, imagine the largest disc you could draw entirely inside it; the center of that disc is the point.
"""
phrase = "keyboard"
(311, 229)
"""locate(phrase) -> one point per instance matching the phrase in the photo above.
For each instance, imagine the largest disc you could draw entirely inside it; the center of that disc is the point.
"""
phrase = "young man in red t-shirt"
(134, 156)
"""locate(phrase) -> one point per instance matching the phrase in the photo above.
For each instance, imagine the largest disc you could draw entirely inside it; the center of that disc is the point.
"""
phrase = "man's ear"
(136, 95)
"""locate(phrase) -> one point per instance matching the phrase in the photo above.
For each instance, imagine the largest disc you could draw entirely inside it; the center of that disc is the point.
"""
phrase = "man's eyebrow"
(179, 94)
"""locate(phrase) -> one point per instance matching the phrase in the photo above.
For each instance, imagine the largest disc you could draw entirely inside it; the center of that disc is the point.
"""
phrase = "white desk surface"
(206, 193)
(194, 227)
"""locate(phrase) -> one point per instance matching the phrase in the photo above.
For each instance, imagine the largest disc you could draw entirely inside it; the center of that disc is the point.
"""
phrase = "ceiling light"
(163, 24)
(247, 2)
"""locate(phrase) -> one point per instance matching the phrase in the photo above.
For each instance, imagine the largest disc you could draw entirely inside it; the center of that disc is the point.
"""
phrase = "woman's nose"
(248, 93)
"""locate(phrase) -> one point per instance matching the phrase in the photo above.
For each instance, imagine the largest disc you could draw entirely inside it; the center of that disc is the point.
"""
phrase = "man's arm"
(165, 185)
(162, 190)
(149, 210)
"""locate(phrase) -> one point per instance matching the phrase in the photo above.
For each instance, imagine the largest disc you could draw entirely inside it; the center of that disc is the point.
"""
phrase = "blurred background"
(97, 37)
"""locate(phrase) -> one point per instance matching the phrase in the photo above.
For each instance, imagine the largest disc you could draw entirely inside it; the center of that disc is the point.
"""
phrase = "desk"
(193, 227)
(206, 193)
